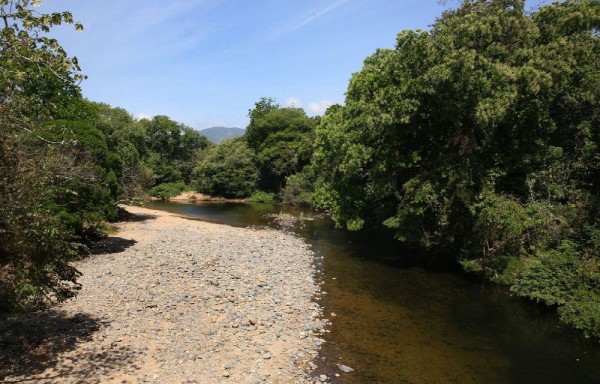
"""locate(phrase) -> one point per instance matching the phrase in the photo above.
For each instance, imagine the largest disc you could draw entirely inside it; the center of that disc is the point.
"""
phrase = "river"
(394, 322)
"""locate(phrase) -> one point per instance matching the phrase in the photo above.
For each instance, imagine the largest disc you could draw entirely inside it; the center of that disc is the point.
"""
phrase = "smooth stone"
(345, 368)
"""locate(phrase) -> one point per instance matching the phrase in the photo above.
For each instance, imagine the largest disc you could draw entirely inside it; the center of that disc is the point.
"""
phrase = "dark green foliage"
(299, 189)
(262, 197)
(167, 190)
(282, 139)
(36, 235)
(227, 169)
(561, 277)
(125, 140)
(583, 314)
(480, 140)
(261, 108)
(36, 80)
(553, 277)
(173, 149)
(93, 198)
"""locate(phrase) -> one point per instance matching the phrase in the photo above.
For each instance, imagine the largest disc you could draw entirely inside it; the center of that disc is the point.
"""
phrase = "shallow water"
(396, 323)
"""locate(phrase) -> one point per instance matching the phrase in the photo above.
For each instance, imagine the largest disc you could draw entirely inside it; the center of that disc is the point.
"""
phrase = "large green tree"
(228, 169)
(36, 78)
(126, 138)
(282, 139)
(173, 147)
(479, 139)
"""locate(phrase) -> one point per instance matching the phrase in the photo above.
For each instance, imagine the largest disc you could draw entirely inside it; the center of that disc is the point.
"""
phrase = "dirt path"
(171, 300)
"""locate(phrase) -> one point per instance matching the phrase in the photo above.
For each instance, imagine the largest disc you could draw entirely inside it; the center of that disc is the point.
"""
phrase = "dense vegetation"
(477, 140)
(66, 162)
(228, 170)
(277, 146)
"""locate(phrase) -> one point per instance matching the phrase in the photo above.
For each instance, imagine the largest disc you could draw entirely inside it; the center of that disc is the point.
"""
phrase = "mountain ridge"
(218, 134)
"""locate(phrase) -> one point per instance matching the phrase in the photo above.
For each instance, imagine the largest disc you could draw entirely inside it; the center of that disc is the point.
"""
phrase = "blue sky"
(206, 62)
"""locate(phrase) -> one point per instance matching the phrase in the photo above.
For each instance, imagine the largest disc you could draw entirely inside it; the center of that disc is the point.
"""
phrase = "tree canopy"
(228, 169)
(36, 78)
(479, 139)
(282, 139)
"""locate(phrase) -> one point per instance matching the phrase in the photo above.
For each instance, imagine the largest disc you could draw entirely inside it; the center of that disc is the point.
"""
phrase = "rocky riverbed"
(171, 300)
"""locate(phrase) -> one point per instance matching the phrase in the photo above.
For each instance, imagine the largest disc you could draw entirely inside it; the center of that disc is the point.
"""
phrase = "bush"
(262, 197)
(551, 278)
(298, 190)
(561, 277)
(167, 190)
(37, 236)
(583, 315)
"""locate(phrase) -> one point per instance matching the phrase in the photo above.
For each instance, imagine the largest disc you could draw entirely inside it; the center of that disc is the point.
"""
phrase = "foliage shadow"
(34, 346)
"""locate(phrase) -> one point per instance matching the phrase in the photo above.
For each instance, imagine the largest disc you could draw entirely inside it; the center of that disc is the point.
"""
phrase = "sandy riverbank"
(196, 196)
(171, 300)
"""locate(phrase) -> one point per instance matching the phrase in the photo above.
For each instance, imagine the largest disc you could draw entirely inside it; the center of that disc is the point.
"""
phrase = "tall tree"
(227, 169)
(480, 139)
(173, 149)
(36, 77)
(282, 139)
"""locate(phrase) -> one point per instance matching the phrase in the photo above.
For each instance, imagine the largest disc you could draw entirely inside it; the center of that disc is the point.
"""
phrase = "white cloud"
(142, 116)
(318, 107)
(312, 109)
(319, 14)
(295, 25)
(293, 101)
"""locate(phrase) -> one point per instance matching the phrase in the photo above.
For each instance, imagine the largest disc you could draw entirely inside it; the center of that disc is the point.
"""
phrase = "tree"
(173, 149)
(34, 65)
(261, 108)
(282, 139)
(228, 170)
(127, 139)
(36, 78)
(478, 138)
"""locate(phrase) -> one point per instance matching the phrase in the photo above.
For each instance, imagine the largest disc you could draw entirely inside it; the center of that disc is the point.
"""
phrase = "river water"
(398, 323)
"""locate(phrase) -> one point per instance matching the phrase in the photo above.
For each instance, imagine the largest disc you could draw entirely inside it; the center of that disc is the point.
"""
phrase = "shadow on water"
(396, 323)
(31, 344)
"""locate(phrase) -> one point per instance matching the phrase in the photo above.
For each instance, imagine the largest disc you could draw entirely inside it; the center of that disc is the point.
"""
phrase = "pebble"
(188, 297)
(345, 368)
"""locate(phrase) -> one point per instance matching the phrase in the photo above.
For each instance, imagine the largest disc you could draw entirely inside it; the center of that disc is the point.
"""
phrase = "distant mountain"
(218, 134)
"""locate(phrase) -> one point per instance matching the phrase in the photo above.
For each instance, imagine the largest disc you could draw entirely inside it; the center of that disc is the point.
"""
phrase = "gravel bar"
(173, 300)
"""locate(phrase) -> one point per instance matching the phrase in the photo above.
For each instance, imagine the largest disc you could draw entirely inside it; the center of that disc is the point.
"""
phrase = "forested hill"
(218, 134)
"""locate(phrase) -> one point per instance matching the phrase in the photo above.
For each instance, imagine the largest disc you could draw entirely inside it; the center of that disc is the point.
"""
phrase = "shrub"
(561, 277)
(298, 190)
(552, 277)
(262, 197)
(167, 190)
(583, 315)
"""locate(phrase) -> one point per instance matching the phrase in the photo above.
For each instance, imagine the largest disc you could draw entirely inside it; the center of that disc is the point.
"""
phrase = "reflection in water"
(397, 324)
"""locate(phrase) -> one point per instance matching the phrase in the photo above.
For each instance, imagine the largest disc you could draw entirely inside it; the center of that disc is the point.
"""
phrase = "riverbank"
(171, 300)
(193, 197)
